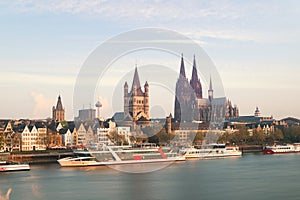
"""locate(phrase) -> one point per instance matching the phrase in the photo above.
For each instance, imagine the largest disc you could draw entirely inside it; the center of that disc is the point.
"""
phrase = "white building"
(41, 137)
(125, 130)
(29, 138)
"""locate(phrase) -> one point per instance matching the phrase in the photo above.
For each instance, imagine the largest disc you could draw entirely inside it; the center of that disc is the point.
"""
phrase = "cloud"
(42, 105)
(141, 9)
(241, 21)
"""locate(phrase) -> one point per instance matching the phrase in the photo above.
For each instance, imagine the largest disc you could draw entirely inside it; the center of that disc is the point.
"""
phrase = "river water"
(253, 176)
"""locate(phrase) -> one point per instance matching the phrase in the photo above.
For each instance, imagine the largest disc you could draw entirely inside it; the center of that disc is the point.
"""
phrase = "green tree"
(241, 136)
(225, 138)
(199, 138)
(291, 134)
(258, 137)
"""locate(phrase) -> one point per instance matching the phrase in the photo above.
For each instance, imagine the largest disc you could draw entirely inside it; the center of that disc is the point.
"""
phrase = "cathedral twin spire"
(195, 81)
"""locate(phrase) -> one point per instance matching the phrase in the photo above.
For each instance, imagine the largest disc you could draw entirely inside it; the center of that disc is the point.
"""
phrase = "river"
(252, 176)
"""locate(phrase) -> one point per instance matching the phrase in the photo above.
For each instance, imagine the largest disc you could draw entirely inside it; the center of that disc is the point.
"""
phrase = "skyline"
(254, 46)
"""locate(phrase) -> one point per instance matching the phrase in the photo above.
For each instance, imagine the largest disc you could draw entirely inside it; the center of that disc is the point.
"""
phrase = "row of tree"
(158, 135)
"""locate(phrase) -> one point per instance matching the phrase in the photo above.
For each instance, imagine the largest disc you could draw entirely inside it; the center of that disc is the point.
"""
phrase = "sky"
(254, 46)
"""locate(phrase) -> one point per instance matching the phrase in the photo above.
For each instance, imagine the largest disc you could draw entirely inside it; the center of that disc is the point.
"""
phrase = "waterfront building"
(7, 134)
(81, 131)
(67, 133)
(58, 112)
(125, 131)
(29, 138)
(255, 122)
(42, 136)
(103, 132)
(90, 136)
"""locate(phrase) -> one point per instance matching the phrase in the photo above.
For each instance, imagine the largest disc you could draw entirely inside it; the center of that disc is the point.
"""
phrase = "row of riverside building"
(30, 135)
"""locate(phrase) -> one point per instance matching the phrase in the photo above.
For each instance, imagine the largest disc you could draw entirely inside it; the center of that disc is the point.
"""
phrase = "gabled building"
(42, 136)
(81, 132)
(29, 138)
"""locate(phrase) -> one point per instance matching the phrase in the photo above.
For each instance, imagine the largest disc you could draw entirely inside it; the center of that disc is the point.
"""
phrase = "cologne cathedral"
(191, 106)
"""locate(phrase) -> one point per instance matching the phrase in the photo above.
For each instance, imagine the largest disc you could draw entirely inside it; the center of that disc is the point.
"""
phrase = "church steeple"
(136, 86)
(194, 72)
(182, 69)
(58, 112)
(195, 81)
(59, 104)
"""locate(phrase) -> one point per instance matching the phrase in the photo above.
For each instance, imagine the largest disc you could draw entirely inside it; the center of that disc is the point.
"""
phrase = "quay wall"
(33, 158)
(251, 148)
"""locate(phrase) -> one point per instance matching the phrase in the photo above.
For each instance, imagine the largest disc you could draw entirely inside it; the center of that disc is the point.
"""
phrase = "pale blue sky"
(254, 45)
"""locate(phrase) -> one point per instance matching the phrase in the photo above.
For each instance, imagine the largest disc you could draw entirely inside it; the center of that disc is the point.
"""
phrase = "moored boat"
(119, 155)
(211, 151)
(6, 166)
(282, 149)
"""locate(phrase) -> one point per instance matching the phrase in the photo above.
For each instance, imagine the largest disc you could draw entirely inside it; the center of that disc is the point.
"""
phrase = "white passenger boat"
(211, 151)
(282, 149)
(118, 155)
(6, 166)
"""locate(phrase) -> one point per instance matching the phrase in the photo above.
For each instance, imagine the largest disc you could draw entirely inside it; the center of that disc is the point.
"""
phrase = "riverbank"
(35, 157)
(251, 148)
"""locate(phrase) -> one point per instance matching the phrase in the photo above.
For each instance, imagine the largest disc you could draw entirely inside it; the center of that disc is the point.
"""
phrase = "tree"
(274, 136)
(258, 137)
(242, 135)
(291, 134)
(199, 138)
(116, 138)
(225, 138)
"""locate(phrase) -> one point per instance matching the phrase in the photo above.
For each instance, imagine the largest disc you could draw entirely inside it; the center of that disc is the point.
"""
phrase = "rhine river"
(253, 177)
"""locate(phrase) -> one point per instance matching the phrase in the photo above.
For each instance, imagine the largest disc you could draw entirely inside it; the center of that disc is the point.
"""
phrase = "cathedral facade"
(190, 104)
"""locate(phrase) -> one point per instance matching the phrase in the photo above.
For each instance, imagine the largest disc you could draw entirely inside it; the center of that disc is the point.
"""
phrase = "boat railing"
(116, 157)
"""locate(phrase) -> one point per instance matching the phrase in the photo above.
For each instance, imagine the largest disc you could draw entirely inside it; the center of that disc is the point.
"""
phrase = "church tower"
(58, 112)
(183, 96)
(136, 102)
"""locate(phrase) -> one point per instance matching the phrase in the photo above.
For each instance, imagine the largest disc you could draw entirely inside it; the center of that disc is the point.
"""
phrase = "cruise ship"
(119, 155)
(211, 151)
